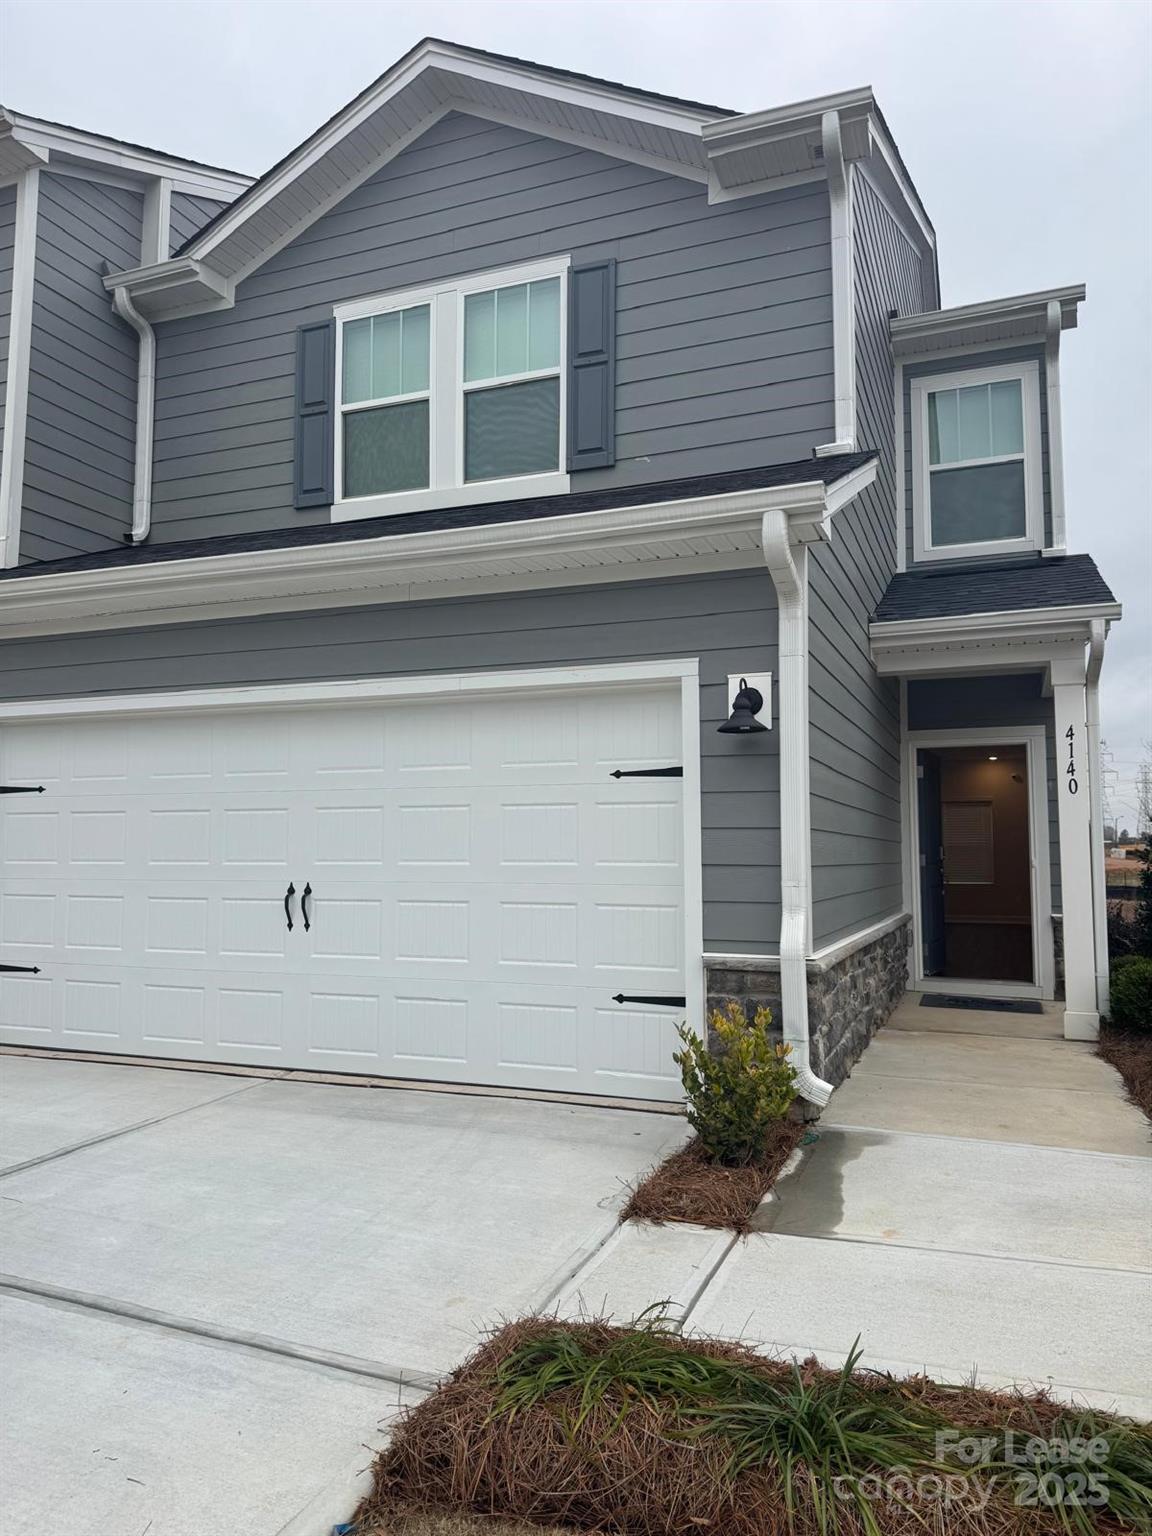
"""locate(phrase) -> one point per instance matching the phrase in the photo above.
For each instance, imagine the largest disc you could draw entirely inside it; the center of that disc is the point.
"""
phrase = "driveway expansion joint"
(124, 1130)
(332, 1360)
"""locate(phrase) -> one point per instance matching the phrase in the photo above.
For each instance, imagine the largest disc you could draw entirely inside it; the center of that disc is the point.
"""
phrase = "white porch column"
(1081, 1019)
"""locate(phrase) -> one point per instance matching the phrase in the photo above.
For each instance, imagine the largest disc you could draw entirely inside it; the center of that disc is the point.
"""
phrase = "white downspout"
(1055, 431)
(1098, 633)
(843, 285)
(145, 414)
(788, 566)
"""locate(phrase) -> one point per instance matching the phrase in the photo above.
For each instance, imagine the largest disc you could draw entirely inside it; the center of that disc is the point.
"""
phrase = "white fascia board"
(52, 141)
(1012, 621)
(168, 288)
(397, 566)
(728, 133)
(910, 332)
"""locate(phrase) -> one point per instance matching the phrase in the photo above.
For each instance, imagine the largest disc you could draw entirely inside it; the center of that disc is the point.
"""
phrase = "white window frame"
(446, 389)
(1028, 375)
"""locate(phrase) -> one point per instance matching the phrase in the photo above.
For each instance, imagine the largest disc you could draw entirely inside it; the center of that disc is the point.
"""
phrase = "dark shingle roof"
(829, 470)
(1059, 581)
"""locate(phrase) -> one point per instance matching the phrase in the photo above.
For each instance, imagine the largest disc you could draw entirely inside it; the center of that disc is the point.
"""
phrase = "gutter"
(1098, 634)
(145, 414)
(788, 566)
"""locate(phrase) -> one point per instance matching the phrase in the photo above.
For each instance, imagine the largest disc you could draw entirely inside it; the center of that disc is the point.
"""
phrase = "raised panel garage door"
(470, 887)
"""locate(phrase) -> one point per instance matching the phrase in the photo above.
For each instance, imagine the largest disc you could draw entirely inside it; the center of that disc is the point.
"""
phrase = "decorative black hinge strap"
(648, 773)
(21, 789)
(33, 970)
(666, 1002)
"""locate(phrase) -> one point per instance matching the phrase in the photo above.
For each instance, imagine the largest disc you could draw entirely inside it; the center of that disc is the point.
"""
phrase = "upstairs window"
(976, 462)
(453, 387)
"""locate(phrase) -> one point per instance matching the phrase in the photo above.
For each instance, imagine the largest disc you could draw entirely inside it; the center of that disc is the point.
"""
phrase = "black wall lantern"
(745, 707)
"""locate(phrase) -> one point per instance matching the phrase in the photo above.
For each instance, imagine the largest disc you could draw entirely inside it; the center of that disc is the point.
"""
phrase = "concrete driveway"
(217, 1289)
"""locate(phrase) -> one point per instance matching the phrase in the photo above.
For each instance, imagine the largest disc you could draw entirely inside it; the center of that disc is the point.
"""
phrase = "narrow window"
(976, 469)
(386, 402)
(512, 381)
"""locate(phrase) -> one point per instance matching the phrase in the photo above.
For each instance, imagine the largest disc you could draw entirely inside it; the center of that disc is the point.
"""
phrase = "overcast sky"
(1026, 124)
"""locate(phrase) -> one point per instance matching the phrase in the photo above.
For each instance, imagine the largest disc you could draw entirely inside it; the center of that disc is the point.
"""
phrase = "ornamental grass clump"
(738, 1093)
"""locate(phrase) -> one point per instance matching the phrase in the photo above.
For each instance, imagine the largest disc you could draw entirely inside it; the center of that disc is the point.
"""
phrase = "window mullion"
(446, 369)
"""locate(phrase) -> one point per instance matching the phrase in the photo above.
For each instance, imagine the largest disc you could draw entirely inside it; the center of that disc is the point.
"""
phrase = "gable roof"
(731, 154)
(1060, 581)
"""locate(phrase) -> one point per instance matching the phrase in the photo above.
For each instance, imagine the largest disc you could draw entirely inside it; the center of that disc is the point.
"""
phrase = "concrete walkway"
(991, 1077)
(975, 1200)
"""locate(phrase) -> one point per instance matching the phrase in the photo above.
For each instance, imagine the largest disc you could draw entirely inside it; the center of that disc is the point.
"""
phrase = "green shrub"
(1122, 962)
(736, 1095)
(1132, 993)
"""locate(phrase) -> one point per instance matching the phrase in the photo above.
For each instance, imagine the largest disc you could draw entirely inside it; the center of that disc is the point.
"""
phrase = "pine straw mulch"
(1130, 1052)
(688, 1186)
(402, 1521)
(628, 1469)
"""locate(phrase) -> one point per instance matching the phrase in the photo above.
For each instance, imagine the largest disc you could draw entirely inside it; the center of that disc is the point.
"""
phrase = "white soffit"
(1020, 318)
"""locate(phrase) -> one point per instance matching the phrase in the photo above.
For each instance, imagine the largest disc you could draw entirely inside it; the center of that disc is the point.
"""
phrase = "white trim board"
(19, 365)
(1033, 738)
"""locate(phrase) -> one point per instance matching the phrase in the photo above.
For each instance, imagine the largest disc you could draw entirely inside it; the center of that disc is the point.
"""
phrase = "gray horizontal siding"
(187, 216)
(727, 621)
(80, 445)
(962, 703)
(7, 243)
(958, 365)
(854, 715)
(724, 315)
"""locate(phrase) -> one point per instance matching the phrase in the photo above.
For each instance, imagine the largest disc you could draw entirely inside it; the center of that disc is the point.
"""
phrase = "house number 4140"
(1070, 770)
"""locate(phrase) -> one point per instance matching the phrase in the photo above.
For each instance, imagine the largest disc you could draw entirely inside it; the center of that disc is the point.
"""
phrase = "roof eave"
(654, 538)
(972, 325)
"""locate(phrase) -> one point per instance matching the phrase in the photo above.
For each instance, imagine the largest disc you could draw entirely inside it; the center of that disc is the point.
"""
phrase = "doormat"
(981, 1004)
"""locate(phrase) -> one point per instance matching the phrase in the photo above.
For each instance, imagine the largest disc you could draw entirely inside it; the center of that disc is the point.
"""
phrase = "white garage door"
(479, 887)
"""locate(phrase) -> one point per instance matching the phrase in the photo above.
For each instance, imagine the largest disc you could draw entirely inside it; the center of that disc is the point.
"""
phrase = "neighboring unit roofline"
(49, 143)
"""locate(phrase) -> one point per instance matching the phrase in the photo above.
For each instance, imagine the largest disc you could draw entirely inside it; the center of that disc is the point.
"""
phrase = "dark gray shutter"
(315, 407)
(592, 366)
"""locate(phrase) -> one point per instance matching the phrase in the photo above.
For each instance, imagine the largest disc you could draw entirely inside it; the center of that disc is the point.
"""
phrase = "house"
(538, 558)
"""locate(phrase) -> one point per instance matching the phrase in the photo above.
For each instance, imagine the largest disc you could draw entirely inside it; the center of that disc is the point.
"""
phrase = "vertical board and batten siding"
(81, 436)
(728, 621)
(7, 247)
(724, 339)
(854, 714)
(944, 365)
(187, 216)
(974, 703)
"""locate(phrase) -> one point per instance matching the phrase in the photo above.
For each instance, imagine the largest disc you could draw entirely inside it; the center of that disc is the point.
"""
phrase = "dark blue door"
(931, 862)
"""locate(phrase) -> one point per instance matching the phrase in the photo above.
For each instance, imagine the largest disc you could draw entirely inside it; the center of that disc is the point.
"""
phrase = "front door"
(931, 863)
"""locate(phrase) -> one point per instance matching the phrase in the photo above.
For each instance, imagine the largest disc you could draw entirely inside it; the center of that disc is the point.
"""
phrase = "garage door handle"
(664, 1001)
(304, 895)
(288, 895)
